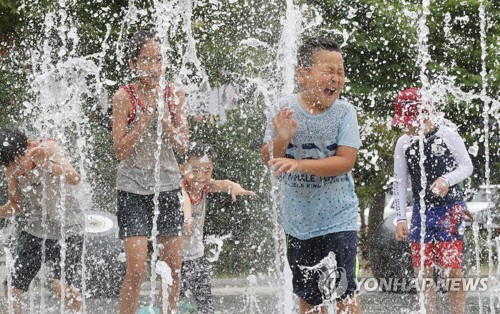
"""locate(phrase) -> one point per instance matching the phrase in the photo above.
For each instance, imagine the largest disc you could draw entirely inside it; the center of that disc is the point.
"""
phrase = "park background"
(238, 44)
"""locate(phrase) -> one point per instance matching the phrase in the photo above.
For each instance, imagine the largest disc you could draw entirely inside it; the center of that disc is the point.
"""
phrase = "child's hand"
(236, 189)
(177, 136)
(401, 231)
(167, 125)
(469, 214)
(284, 124)
(149, 117)
(36, 155)
(440, 187)
(179, 95)
(281, 165)
(187, 227)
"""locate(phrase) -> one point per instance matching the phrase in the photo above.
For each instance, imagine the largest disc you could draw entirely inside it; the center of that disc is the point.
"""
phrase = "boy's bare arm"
(342, 162)
(187, 211)
(279, 149)
(14, 203)
(228, 186)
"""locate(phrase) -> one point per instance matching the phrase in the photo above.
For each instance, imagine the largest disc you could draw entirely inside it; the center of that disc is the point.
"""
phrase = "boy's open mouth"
(330, 91)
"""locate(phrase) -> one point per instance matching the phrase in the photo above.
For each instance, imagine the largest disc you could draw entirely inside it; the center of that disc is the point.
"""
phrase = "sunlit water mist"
(60, 82)
(165, 273)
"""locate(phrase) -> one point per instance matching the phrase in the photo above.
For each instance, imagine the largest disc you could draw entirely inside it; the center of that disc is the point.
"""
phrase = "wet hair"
(310, 46)
(12, 143)
(200, 150)
(138, 40)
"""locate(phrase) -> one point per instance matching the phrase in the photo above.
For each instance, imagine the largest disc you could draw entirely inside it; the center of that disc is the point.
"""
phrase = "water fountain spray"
(489, 243)
(422, 60)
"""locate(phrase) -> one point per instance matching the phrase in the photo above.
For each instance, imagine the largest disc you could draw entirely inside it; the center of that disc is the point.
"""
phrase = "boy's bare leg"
(171, 253)
(73, 297)
(136, 255)
(430, 289)
(16, 295)
(349, 305)
(457, 298)
(306, 308)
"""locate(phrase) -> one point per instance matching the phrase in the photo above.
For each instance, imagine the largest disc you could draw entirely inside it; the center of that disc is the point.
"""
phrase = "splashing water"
(422, 60)
(60, 83)
(9, 261)
(251, 303)
(496, 289)
(219, 243)
(332, 279)
(475, 232)
(487, 170)
(165, 273)
(287, 51)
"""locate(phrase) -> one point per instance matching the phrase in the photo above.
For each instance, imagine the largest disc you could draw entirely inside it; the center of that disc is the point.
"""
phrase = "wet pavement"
(237, 296)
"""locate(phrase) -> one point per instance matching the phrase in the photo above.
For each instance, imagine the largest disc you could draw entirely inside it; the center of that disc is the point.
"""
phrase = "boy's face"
(197, 171)
(322, 83)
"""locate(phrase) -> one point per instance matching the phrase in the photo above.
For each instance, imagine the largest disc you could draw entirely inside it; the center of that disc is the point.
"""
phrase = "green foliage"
(10, 19)
(219, 30)
(103, 163)
(13, 91)
(375, 158)
(372, 173)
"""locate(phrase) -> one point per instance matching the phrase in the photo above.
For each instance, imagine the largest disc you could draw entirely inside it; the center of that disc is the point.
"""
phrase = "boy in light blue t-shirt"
(311, 142)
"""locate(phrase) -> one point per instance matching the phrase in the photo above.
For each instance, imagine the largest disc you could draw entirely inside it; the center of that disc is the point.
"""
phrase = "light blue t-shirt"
(312, 205)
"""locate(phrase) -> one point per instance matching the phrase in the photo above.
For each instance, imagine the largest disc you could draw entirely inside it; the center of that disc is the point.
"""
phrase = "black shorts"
(195, 276)
(313, 286)
(136, 212)
(28, 260)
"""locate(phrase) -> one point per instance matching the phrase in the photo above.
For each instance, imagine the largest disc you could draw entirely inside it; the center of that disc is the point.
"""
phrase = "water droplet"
(473, 150)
